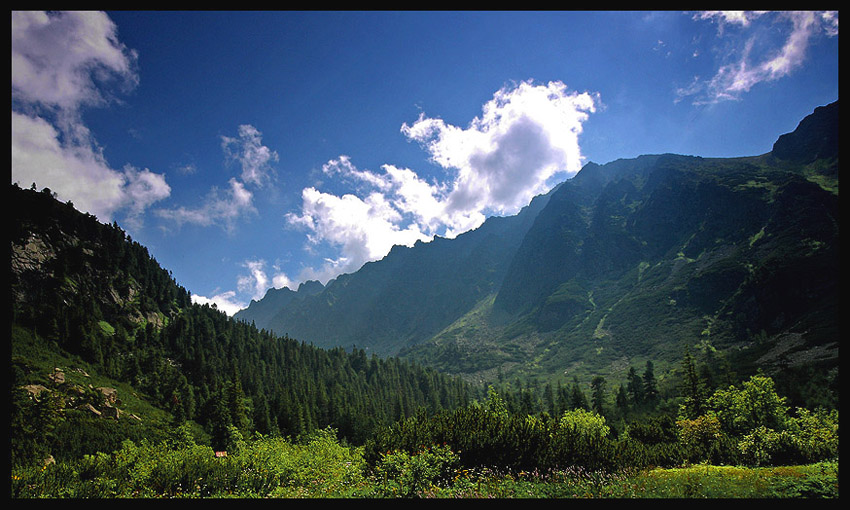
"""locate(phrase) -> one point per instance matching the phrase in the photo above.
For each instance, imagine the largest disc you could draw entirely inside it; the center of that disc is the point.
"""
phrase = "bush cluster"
(314, 466)
(751, 424)
(484, 438)
(748, 425)
(317, 465)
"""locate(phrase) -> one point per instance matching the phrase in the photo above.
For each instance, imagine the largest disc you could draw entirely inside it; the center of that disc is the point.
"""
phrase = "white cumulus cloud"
(223, 301)
(526, 136)
(363, 229)
(61, 63)
(61, 59)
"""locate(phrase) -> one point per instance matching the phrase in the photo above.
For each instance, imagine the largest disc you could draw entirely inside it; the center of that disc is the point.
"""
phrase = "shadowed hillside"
(626, 261)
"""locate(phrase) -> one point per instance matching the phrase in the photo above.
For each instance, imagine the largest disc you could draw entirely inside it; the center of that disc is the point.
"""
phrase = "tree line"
(101, 296)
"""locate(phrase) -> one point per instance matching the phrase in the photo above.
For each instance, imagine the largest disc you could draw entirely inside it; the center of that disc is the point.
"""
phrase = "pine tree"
(598, 395)
(220, 422)
(549, 399)
(577, 397)
(563, 400)
(236, 405)
(635, 387)
(693, 389)
(622, 401)
(650, 385)
(262, 416)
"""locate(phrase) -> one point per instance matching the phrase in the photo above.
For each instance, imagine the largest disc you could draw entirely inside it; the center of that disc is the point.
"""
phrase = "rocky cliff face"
(816, 137)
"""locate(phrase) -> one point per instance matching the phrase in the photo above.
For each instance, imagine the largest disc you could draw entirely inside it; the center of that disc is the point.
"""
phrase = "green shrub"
(580, 438)
(586, 425)
(701, 432)
(653, 430)
(754, 405)
(486, 437)
(808, 437)
(633, 454)
(751, 424)
(178, 467)
(758, 446)
(815, 434)
(480, 436)
(403, 474)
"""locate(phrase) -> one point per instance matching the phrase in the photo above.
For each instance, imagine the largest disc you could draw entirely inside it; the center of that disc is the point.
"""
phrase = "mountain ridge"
(570, 270)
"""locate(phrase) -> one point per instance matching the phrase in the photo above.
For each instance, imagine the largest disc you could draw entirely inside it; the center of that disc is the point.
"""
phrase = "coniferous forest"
(121, 387)
(102, 300)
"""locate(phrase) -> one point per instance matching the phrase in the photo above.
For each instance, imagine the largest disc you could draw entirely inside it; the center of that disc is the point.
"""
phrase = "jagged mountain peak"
(816, 137)
(601, 264)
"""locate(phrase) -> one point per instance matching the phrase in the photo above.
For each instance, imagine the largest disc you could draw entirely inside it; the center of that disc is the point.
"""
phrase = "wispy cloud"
(252, 156)
(222, 208)
(527, 135)
(63, 63)
(143, 188)
(742, 18)
(257, 281)
(226, 208)
(756, 55)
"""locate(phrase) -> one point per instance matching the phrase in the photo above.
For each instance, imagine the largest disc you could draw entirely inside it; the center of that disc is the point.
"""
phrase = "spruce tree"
(598, 395)
(635, 387)
(650, 385)
(622, 401)
(693, 391)
(549, 399)
(577, 397)
(236, 405)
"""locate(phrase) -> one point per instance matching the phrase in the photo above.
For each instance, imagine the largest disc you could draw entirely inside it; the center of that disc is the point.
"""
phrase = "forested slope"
(87, 299)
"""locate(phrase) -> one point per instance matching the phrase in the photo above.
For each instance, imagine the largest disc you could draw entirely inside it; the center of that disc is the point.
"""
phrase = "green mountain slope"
(626, 262)
(106, 346)
(409, 295)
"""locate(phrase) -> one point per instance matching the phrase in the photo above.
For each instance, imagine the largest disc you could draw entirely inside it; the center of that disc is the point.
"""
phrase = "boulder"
(110, 394)
(57, 377)
(34, 389)
(92, 409)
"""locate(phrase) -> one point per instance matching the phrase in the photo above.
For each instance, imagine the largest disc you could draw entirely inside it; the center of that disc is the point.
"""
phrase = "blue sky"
(255, 149)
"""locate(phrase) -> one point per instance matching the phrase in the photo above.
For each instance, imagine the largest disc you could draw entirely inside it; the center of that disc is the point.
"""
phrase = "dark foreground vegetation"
(487, 453)
(318, 466)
